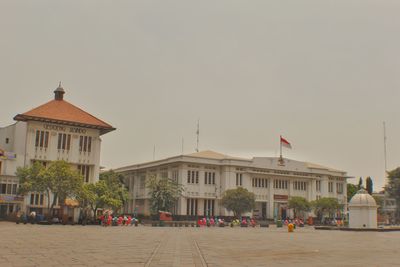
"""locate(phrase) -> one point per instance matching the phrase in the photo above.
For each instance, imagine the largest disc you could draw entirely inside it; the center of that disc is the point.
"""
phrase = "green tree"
(116, 194)
(351, 191)
(98, 195)
(59, 180)
(164, 193)
(238, 200)
(299, 205)
(326, 206)
(360, 183)
(62, 181)
(393, 188)
(369, 185)
(30, 179)
(379, 201)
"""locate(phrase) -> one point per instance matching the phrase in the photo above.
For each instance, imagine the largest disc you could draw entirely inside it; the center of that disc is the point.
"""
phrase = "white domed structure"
(362, 211)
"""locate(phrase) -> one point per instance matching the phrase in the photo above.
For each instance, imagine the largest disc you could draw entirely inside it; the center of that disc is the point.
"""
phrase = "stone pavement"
(57, 245)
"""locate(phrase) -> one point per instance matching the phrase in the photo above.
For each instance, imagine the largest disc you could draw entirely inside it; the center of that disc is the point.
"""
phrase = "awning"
(71, 202)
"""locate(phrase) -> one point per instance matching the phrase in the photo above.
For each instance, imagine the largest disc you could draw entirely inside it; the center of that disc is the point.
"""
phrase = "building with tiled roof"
(205, 176)
(62, 112)
(56, 130)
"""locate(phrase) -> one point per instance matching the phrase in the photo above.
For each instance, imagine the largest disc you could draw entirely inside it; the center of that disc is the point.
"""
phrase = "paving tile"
(57, 245)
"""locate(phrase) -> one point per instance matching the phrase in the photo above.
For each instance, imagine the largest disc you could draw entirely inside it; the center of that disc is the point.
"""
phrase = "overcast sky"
(324, 74)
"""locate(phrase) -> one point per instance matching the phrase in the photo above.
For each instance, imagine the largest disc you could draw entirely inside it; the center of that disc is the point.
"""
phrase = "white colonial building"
(206, 175)
(56, 130)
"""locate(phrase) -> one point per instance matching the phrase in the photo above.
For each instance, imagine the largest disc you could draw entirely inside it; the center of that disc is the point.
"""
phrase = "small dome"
(362, 198)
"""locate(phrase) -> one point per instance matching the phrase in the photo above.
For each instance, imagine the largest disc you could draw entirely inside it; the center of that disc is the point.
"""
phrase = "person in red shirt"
(119, 222)
(109, 220)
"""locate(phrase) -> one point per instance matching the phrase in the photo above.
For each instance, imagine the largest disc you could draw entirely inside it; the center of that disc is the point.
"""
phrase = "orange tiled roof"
(61, 111)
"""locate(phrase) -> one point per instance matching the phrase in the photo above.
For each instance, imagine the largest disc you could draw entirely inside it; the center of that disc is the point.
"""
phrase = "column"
(270, 204)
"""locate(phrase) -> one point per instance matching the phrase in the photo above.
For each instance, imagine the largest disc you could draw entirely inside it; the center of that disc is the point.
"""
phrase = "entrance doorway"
(260, 211)
(280, 210)
(3, 211)
(264, 210)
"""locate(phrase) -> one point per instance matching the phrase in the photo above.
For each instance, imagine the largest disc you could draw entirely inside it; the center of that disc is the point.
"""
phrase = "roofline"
(181, 159)
(227, 158)
(103, 129)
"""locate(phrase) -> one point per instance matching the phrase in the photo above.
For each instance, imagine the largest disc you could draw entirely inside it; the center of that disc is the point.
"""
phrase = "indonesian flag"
(285, 143)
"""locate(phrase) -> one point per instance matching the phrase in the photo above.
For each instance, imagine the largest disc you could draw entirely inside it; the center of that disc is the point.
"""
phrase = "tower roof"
(63, 112)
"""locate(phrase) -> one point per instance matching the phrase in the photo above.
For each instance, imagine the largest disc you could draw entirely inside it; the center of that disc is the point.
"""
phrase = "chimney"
(59, 93)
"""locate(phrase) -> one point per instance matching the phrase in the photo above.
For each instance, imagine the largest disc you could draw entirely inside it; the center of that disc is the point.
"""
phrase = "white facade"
(25, 142)
(363, 211)
(206, 175)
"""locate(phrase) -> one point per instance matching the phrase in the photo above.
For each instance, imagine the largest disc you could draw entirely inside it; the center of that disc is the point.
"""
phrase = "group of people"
(210, 222)
(107, 219)
(296, 221)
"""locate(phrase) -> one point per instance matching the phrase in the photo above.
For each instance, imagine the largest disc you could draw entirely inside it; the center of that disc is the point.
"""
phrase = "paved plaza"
(57, 245)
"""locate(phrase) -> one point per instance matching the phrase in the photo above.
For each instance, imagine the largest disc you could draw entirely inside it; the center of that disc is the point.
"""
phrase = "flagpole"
(280, 142)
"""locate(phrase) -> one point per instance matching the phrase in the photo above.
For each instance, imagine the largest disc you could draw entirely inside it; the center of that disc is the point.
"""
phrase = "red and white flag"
(285, 143)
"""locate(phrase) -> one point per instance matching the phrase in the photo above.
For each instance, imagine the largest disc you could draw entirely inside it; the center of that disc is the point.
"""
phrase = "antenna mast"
(384, 146)
(198, 134)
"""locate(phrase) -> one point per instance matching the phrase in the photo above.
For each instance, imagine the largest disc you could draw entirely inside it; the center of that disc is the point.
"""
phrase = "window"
(300, 185)
(9, 189)
(209, 205)
(3, 188)
(89, 147)
(85, 143)
(37, 199)
(280, 184)
(81, 143)
(209, 178)
(193, 177)
(84, 170)
(191, 206)
(142, 182)
(339, 188)
(42, 139)
(318, 186)
(260, 182)
(239, 179)
(7, 140)
(64, 141)
(330, 187)
(175, 176)
(14, 189)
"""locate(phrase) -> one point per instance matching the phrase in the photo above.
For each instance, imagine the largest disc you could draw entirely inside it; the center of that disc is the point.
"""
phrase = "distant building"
(206, 175)
(56, 130)
(386, 209)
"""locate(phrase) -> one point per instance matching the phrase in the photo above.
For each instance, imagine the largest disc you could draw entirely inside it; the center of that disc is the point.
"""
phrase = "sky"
(323, 74)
